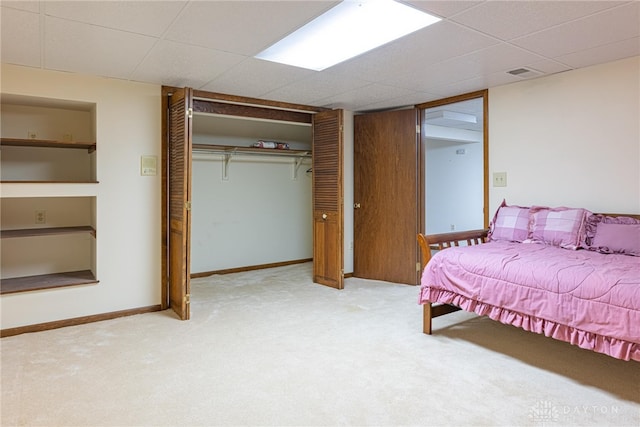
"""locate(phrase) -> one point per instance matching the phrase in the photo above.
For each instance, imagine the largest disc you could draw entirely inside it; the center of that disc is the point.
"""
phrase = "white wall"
(454, 186)
(569, 139)
(128, 124)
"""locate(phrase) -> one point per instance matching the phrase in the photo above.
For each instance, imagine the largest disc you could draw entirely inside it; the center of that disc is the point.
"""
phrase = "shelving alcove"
(48, 210)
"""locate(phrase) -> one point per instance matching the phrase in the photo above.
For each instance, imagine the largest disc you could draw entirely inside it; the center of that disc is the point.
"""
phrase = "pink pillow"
(614, 235)
(510, 223)
(562, 227)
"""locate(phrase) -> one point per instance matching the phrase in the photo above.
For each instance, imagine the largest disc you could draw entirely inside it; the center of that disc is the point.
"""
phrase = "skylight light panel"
(345, 31)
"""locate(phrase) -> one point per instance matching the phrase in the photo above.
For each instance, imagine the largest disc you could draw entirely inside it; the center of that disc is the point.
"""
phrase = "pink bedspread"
(588, 299)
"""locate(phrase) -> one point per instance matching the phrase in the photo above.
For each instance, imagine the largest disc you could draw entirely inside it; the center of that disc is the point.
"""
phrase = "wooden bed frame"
(446, 240)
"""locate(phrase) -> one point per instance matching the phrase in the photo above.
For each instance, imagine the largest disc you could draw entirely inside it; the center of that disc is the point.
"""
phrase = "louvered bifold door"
(328, 256)
(179, 201)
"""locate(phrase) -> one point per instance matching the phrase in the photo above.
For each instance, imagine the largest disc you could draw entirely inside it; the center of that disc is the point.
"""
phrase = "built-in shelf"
(17, 142)
(46, 281)
(50, 231)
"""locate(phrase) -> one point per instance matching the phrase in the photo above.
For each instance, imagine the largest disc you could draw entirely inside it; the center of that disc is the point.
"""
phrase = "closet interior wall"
(250, 207)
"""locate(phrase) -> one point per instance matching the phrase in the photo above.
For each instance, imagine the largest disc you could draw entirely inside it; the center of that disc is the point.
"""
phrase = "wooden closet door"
(179, 212)
(328, 258)
(386, 196)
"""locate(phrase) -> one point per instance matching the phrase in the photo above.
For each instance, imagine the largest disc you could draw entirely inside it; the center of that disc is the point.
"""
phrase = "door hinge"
(190, 112)
(418, 129)
(187, 299)
(417, 266)
(187, 205)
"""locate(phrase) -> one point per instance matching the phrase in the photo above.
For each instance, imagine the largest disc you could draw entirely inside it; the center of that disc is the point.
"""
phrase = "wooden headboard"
(440, 241)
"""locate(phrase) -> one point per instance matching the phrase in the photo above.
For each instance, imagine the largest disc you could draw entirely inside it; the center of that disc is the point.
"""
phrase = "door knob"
(356, 206)
(324, 216)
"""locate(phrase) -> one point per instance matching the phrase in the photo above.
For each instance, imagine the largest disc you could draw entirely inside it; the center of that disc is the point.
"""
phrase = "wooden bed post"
(426, 318)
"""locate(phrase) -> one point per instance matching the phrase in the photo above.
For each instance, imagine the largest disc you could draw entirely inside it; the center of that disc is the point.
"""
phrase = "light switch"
(499, 179)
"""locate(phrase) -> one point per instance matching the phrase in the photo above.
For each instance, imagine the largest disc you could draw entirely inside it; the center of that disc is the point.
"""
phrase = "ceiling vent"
(524, 73)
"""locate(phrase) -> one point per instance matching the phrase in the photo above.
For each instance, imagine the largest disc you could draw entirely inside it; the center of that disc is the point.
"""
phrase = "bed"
(566, 273)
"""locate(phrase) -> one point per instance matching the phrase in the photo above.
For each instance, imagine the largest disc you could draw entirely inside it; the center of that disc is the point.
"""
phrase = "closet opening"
(251, 206)
(238, 189)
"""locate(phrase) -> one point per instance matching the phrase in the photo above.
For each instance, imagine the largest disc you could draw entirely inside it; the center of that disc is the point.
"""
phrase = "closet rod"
(232, 150)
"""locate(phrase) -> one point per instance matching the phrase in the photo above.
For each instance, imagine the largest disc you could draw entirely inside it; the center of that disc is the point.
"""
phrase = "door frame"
(484, 94)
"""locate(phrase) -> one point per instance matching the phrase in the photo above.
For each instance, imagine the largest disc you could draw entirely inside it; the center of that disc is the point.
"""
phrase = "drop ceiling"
(209, 45)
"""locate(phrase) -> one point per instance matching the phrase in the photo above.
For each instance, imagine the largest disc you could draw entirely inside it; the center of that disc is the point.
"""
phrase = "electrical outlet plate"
(32, 134)
(41, 217)
(499, 179)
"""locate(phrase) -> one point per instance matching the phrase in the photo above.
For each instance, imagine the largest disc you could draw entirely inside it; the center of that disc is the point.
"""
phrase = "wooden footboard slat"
(441, 241)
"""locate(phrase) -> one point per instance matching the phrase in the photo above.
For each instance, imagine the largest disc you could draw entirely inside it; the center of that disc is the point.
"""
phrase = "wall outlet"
(41, 217)
(499, 179)
(67, 137)
(32, 134)
(453, 227)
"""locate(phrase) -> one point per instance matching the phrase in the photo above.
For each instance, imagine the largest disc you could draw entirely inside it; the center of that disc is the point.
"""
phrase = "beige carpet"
(271, 348)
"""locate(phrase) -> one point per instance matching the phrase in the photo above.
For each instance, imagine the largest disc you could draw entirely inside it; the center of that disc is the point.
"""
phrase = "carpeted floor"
(269, 347)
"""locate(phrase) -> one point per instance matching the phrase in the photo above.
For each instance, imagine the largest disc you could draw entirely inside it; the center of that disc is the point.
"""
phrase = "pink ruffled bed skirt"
(611, 346)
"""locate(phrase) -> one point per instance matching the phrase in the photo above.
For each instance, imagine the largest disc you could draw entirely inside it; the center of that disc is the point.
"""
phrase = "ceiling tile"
(151, 18)
(438, 42)
(245, 27)
(68, 44)
(547, 66)
(502, 57)
(255, 78)
(365, 95)
(457, 88)
(181, 65)
(28, 6)
(318, 86)
(510, 19)
(600, 54)
(20, 37)
(443, 9)
(410, 99)
(606, 27)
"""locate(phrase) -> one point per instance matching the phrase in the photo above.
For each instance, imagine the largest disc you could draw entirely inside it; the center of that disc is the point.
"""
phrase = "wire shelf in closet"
(228, 151)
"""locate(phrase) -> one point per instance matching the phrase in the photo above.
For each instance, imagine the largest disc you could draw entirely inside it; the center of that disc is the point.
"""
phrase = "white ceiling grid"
(210, 45)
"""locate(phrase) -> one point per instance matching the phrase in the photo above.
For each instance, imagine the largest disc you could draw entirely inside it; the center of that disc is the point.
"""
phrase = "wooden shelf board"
(50, 231)
(12, 181)
(17, 142)
(46, 281)
(230, 149)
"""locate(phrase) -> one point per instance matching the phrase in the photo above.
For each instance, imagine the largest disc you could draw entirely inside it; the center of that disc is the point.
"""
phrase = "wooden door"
(328, 258)
(179, 212)
(386, 196)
